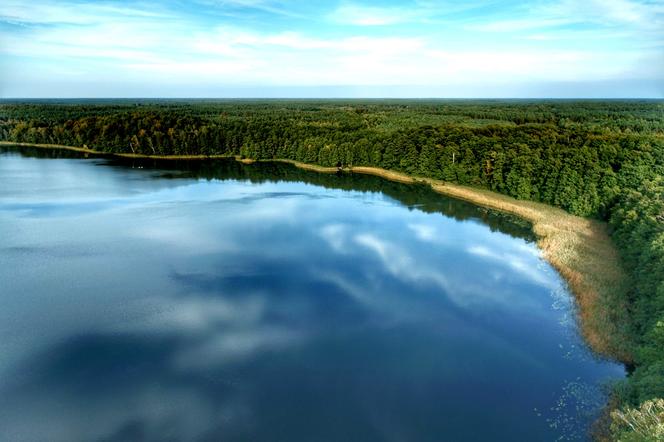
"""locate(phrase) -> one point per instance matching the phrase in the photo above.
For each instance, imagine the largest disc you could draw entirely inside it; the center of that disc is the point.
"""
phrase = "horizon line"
(589, 98)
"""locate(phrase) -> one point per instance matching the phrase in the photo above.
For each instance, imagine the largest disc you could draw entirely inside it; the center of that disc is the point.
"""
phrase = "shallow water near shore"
(147, 300)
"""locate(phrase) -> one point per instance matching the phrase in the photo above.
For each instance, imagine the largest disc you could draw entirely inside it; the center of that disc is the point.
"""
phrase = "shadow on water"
(413, 196)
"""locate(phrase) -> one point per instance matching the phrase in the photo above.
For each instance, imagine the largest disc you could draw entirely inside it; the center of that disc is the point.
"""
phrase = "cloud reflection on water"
(210, 310)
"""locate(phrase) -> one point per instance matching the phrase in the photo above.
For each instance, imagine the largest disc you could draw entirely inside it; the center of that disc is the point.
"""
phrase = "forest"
(593, 158)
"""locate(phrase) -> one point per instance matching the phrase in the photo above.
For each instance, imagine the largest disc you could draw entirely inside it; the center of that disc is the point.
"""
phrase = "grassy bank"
(579, 248)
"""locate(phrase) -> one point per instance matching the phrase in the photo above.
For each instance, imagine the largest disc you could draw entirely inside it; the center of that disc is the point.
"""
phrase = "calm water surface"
(216, 301)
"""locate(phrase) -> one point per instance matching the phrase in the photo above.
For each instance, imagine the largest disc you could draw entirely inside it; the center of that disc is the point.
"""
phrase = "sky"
(332, 48)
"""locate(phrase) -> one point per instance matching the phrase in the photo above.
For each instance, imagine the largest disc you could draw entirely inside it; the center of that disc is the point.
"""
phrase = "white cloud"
(520, 24)
(423, 232)
(369, 15)
(45, 12)
(401, 265)
(235, 345)
(518, 260)
(195, 315)
(612, 13)
(336, 236)
(462, 289)
(184, 235)
(269, 6)
(417, 11)
(605, 11)
(239, 56)
(68, 42)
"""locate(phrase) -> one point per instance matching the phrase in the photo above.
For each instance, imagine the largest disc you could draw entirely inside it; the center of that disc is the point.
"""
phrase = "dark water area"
(213, 300)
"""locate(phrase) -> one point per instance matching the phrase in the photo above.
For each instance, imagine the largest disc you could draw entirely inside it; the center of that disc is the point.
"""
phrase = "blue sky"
(332, 48)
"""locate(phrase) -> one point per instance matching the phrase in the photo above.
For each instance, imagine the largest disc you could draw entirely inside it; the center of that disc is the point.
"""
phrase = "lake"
(160, 301)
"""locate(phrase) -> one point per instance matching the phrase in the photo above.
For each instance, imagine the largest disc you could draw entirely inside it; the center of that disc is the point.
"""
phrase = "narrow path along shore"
(580, 249)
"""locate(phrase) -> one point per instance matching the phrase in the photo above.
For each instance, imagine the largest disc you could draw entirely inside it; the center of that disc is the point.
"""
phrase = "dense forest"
(601, 159)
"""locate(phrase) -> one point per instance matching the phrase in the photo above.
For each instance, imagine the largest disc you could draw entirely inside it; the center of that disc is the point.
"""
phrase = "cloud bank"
(278, 48)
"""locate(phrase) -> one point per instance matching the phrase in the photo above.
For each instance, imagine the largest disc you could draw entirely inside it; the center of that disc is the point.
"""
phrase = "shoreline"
(580, 249)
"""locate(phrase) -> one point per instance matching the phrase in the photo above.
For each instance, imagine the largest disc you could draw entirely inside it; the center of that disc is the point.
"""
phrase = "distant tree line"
(601, 159)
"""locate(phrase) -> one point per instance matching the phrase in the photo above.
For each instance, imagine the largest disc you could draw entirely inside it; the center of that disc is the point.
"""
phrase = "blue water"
(219, 301)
